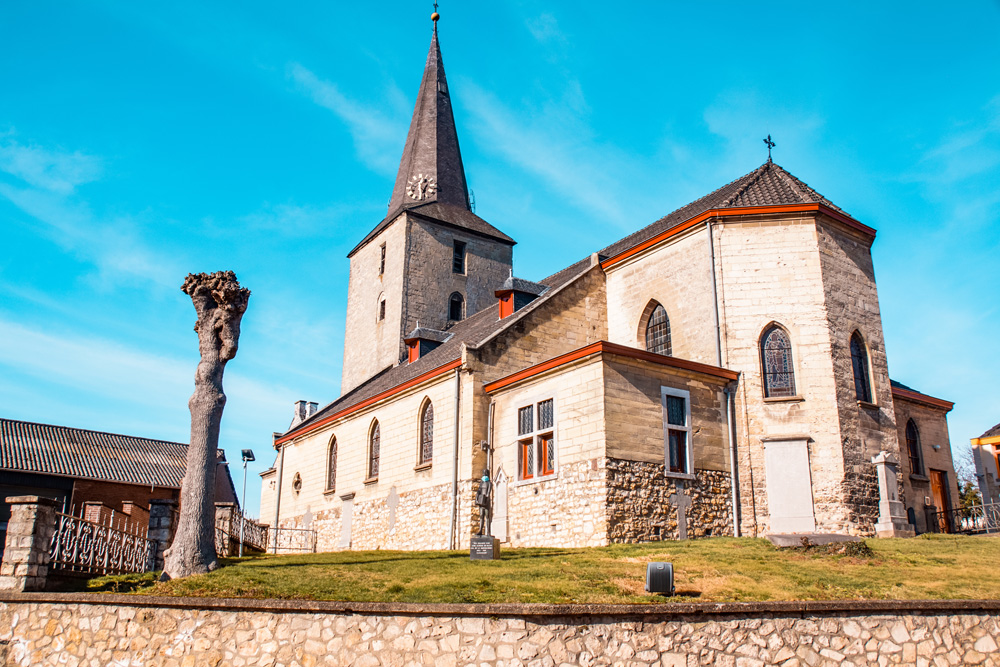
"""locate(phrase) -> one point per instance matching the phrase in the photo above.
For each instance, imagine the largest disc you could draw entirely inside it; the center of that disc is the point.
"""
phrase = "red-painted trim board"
(727, 212)
(604, 347)
(917, 397)
(451, 365)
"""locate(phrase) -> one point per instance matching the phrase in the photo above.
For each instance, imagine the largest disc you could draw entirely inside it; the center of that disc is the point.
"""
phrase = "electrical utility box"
(660, 578)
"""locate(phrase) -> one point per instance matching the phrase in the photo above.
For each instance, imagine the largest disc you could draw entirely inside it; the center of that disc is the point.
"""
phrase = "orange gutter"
(604, 347)
(451, 365)
(727, 212)
(917, 397)
(992, 440)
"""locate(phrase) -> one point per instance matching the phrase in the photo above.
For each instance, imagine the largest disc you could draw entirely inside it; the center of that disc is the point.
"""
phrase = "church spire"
(431, 169)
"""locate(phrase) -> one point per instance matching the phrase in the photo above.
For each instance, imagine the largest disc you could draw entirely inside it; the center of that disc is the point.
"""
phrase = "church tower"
(431, 260)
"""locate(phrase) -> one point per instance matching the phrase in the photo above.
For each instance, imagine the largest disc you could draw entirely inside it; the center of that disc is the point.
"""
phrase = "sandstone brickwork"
(244, 634)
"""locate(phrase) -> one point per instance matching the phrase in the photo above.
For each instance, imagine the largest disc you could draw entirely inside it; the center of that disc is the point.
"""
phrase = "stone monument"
(484, 546)
(892, 520)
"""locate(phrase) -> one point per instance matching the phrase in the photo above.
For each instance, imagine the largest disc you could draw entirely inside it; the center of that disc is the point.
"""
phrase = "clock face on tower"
(421, 186)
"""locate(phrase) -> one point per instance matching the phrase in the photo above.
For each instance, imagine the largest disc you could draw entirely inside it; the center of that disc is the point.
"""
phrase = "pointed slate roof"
(431, 152)
(767, 185)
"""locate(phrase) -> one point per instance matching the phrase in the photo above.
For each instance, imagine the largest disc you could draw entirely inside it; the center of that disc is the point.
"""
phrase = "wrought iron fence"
(293, 540)
(968, 520)
(238, 528)
(84, 546)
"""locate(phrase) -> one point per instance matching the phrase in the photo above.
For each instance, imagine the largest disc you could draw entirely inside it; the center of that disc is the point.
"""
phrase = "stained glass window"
(913, 448)
(527, 455)
(776, 352)
(537, 451)
(331, 466)
(658, 331)
(525, 423)
(547, 454)
(859, 360)
(427, 434)
(373, 448)
(545, 417)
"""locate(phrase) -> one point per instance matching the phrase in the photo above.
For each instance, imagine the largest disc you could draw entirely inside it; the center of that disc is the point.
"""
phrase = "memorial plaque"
(484, 547)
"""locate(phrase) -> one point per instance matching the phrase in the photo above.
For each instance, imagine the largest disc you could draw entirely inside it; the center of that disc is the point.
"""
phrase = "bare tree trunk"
(220, 303)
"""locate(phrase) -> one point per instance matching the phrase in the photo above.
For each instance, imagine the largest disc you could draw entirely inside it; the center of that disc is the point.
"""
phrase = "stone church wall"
(429, 280)
(769, 270)
(676, 274)
(932, 428)
(371, 345)
(852, 304)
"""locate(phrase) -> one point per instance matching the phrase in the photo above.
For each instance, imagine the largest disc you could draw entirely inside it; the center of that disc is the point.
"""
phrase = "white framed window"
(676, 432)
(536, 440)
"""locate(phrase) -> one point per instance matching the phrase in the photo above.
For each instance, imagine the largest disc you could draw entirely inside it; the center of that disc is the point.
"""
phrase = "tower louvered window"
(776, 355)
(658, 331)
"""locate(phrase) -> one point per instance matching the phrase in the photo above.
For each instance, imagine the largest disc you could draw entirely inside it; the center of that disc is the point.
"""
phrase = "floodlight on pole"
(247, 456)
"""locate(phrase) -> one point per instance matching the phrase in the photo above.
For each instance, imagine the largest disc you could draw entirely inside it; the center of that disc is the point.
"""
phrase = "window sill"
(784, 399)
(330, 493)
(371, 480)
(535, 480)
(866, 404)
(680, 475)
(423, 466)
(919, 478)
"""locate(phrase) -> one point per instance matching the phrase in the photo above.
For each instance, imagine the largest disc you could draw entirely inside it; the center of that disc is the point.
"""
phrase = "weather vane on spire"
(770, 145)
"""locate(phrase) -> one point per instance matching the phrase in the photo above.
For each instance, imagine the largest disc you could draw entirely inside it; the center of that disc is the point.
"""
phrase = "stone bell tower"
(431, 259)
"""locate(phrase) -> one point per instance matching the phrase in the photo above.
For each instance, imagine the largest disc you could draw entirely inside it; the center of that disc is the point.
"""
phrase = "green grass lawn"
(710, 570)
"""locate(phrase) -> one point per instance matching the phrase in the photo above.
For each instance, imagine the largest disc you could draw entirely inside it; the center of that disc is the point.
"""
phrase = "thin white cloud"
(378, 132)
(52, 170)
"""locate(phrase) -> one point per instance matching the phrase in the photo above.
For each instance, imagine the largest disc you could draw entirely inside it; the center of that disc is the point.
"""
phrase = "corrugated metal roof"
(74, 452)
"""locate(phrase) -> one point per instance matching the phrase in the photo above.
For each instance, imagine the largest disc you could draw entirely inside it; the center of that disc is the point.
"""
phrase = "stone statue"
(484, 499)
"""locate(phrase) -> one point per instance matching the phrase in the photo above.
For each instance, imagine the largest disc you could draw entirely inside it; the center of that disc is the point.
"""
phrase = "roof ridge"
(800, 188)
(755, 176)
(90, 430)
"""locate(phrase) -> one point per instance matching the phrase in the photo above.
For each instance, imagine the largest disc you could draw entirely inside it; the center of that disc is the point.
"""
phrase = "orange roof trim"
(604, 347)
(726, 212)
(452, 365)
(917, 397)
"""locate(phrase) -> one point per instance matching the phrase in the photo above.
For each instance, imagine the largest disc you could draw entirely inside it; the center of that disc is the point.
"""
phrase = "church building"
(721, 371)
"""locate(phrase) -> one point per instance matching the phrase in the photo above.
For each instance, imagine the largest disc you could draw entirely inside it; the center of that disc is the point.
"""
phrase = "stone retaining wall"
(99, 630)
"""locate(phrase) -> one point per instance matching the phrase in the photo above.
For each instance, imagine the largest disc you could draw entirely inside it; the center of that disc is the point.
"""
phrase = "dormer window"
(422, 340)
(458, 257)
(516, 293)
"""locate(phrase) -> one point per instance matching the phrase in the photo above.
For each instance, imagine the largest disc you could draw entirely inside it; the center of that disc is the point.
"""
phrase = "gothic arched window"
(456, 304)
(859, 361)
(331, 465)
(374, 439)
(776, 358)
(913, 448)
(426, 454)
(658, 331)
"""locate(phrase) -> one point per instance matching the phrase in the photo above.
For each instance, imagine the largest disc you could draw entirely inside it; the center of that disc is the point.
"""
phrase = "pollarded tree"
(220, 303)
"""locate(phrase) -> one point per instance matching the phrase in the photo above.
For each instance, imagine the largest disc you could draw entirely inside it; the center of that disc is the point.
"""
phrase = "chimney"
(303, 410)
(516, 293)
(422, 340)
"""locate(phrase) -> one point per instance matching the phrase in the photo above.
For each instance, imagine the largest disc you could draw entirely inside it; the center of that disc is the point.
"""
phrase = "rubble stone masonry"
(129, 631)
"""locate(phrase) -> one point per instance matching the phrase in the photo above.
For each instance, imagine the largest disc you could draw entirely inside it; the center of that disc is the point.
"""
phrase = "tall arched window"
(913, 448)
(426, 434)
(859, 360)
(776, 359)
(331, 465)
(658, 331)
(374, 439)
(456, 304)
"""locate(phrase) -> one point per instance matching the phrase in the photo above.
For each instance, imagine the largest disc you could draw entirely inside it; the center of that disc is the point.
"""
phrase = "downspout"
(277, 497)
(454, 476)
(733, 470)
(715, 296)
(489, 465)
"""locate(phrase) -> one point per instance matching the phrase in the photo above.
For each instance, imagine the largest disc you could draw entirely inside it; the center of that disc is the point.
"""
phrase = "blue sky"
(141, 142)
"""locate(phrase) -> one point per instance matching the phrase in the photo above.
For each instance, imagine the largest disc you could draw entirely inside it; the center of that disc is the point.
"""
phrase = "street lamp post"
(247, 456)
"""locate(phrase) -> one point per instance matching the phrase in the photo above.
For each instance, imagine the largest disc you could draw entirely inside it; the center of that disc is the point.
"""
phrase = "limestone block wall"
(566, 509)
(932, 427)
(569, 320)
(113, 629)
(429, 280)
(371, 345)
(417, 488)
(678, 275)
(634, 412)
(769, 270)
(640, 508)
(852, 305)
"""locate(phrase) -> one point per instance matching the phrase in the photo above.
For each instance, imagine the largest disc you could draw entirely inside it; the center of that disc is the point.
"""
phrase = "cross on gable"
(770, 145)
